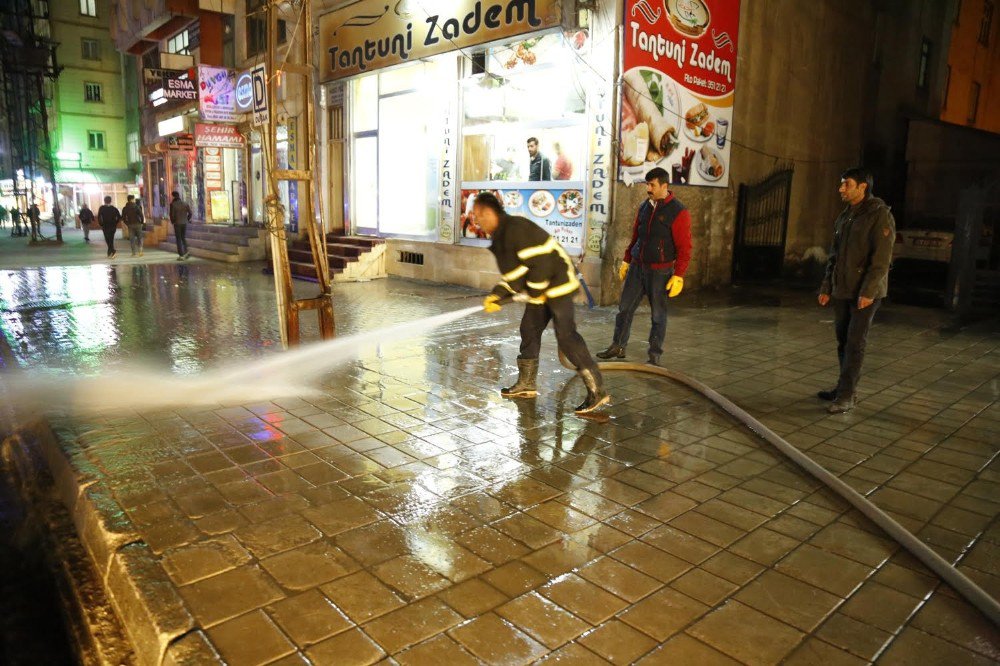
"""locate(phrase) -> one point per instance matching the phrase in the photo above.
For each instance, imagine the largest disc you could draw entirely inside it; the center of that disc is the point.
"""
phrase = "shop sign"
(244, 91)
(678, 87)
(217, 93)
(372, 34)
(184, 89)
(447, 162)
(223, 136)
(559, 211)
(219, 202)
(171, 126)
(601, 174)
(258, 83)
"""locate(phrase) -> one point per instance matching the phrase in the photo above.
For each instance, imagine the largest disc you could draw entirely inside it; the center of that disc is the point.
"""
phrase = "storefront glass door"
(390, 175)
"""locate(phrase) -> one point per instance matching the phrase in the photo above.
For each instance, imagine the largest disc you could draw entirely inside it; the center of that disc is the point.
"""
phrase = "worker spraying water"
(534, 263)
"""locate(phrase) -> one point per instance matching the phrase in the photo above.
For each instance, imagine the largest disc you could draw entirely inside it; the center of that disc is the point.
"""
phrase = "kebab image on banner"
(649, 118)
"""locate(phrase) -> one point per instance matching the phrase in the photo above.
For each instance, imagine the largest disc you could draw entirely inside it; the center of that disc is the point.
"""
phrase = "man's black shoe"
(654, 359)
(829, 394)
(614, 351)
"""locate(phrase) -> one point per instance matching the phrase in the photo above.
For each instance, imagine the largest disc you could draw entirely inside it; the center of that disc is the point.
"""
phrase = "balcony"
(136, 25)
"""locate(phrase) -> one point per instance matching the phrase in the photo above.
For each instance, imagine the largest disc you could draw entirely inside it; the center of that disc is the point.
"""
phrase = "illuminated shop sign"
(244, 91)
(373, 34)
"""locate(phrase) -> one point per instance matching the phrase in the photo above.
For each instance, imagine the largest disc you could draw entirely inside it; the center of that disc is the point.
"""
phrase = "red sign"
(219, 136)
(678, 89)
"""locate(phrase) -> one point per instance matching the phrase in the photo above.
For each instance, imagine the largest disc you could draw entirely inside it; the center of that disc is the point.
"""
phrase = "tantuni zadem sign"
(372, 34)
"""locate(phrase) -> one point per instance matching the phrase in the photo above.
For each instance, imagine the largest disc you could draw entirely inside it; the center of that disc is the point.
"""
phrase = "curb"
(158, 624)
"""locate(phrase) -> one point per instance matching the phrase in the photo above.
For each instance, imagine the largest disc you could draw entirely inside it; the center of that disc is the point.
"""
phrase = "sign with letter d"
(259, 81)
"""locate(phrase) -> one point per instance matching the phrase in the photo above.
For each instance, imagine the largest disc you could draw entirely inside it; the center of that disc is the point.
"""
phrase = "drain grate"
(416, 258)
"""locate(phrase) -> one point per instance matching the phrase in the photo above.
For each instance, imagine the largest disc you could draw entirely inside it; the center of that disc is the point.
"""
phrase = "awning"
(78, 176)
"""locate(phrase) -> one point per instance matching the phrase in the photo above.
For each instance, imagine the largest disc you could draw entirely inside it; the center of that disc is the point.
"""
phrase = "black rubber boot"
(596, 397)
(828, 394)
(614, 351)
(524, 387)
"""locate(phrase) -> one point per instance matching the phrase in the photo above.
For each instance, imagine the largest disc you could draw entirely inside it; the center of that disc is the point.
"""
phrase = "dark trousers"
(180, 233)
(109, 237)
(560, 312)
(852, 327)
(642, 281)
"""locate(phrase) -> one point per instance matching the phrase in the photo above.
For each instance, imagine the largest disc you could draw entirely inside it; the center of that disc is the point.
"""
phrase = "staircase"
(351, 258)
(222, 243)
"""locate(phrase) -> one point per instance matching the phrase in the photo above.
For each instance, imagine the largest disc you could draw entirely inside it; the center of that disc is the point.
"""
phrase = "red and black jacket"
(661, 236)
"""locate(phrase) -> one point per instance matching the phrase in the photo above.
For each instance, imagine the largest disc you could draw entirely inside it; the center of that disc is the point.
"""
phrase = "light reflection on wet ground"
(419, 515)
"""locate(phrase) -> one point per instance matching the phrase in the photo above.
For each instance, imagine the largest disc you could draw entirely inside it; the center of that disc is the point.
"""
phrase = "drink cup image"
(721, 130)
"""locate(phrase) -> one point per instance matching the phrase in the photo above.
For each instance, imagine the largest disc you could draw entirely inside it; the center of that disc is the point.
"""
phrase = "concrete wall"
(453, 264)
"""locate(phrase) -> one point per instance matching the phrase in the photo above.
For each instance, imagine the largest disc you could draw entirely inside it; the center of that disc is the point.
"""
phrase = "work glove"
(622, 271)
(491, 303)
(674, 285)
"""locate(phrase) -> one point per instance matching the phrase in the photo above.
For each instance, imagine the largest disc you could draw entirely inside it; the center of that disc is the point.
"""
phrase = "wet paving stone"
(407, 511)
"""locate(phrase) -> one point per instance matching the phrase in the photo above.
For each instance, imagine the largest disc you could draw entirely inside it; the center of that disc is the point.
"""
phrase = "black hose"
(948, 573)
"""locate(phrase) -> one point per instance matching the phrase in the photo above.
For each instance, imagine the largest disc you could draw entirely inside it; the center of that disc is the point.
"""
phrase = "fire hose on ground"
(948, 573)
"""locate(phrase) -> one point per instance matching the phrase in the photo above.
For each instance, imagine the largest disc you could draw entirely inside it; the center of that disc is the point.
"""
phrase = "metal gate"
(762, 227)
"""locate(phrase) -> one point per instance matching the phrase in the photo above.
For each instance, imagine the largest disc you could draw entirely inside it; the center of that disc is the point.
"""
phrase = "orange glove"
(623, 271)
(491, 304)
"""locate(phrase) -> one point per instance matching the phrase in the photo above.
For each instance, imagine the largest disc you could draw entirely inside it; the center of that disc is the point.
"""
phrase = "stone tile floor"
(412, 516)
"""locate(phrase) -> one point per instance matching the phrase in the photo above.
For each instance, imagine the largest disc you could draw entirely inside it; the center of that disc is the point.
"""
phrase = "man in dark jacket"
(857, 278)
(532, 262)
(86, 219)
(108, 217)
(539, 168)
(132, 214)
(654, 264)
(180, 215)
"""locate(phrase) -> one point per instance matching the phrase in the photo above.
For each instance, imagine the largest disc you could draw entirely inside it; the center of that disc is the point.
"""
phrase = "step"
(241, 241)
(334, 249)
(202, 253)
(305, 256)
(248, 252)
(364, 241)
(226, 230)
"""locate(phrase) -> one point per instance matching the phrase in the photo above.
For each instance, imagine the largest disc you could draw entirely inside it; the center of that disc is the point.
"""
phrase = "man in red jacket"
(653, 265)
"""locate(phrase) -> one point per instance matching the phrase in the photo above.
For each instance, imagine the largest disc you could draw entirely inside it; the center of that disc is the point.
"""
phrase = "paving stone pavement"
(410, 515)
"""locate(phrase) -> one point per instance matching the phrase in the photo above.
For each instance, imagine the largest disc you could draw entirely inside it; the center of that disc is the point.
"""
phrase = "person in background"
(654, 264)
(35, 218)
(132, 214)
(3, 217)
(563, 168)
(86, 219)
(180, 215)
(857, 278)
(108, 217)
(540, 167)
(533, 262)
(15, 219)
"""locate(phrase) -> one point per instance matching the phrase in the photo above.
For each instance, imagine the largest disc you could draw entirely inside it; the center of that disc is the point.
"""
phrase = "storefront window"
(524, 136)
(393, 181)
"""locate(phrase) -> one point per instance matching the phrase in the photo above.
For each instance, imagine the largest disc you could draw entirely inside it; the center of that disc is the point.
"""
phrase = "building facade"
(89, 103)
(972, 94)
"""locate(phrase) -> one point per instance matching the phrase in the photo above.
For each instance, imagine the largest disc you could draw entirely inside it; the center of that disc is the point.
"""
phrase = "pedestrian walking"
(108, 217)
(132, 215)
(35, 219)
(86, 219)
(533, 262)
(180, 215)
(857, 278)
(654, 265)
(15, 218)
(3, 217)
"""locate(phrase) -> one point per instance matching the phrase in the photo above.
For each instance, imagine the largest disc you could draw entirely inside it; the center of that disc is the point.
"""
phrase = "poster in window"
(678, 90)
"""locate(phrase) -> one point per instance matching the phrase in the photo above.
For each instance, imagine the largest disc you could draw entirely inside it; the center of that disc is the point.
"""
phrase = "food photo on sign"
(678, 90)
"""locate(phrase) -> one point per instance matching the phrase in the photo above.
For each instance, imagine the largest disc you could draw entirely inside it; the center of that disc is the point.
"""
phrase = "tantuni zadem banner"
(678, 88)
